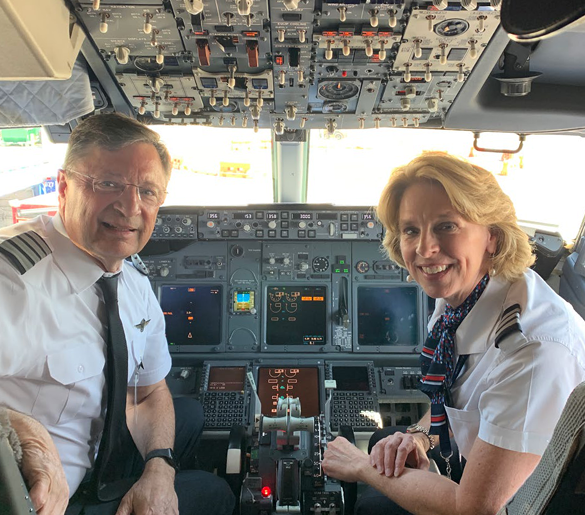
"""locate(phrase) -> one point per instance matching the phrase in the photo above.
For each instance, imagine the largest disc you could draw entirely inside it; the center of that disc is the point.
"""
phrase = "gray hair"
(113, 131)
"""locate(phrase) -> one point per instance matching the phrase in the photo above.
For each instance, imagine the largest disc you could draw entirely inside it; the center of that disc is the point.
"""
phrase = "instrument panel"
(232, 286)
(247, 303)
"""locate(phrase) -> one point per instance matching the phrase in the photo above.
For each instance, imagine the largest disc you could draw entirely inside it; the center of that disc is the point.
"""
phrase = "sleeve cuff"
(533, 443)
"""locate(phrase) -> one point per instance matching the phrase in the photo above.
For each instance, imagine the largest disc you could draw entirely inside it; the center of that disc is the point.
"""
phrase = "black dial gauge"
(450, 28)
(338, 90)
(320, 264)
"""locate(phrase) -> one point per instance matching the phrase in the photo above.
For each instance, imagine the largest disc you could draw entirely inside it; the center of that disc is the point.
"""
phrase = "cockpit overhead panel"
(291, 64)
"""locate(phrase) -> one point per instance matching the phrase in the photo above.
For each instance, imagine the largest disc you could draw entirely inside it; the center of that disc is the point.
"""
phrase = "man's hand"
(41, 466)
(391, 454)
(154, 493)
(344, 461)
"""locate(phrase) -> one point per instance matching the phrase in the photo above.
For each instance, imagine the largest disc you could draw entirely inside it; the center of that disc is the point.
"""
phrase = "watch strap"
(166, 454)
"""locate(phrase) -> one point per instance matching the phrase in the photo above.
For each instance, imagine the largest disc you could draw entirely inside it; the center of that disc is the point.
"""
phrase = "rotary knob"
(304, 266)
(247, 227)
(362, 267)
(302, 225)
(237, 251)
(271, 261)
(164, 271)
(272, 224)
(286, 261)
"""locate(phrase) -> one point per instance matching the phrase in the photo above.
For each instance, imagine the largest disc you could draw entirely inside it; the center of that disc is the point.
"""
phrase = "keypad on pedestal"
(223, 409)
(347, 409)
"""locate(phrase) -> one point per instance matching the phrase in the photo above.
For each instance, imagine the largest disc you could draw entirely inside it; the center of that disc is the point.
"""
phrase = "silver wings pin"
(142, 325)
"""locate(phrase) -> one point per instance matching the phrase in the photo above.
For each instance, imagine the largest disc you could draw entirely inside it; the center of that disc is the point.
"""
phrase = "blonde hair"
(474, 193)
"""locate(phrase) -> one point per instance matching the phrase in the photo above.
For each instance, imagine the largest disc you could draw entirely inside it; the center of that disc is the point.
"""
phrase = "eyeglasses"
(150, 196)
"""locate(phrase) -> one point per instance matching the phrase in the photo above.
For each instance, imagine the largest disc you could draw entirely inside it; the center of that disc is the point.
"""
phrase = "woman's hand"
(391, 454)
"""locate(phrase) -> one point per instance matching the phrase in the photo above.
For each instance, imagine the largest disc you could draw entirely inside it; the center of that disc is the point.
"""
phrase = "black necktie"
(110, 461)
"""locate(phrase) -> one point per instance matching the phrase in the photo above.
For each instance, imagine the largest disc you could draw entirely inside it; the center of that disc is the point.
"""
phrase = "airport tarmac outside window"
(545, 180)
(218, 166)
(28, 173)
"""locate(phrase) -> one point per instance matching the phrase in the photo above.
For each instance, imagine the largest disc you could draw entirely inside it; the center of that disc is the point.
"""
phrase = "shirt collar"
(473, 335)
(77, 265)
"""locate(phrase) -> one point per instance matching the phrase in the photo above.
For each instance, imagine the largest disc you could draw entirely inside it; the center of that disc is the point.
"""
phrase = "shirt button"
(80, 369)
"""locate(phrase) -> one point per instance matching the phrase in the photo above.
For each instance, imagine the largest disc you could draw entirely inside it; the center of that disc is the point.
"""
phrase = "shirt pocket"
(72, 378)
(465, 427)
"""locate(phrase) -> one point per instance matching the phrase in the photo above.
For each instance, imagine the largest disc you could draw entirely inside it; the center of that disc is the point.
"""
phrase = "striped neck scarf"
(438, 361)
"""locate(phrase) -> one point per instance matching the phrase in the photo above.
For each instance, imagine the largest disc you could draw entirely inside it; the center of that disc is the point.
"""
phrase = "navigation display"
(275, 383)
(388, 316)
(192, 314)
(296, 315)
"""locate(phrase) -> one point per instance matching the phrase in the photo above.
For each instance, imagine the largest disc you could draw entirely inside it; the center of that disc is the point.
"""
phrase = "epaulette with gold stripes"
(24, 250)
(509, 323)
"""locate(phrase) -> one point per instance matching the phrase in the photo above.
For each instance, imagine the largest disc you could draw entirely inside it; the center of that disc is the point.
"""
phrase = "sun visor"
(51, 102)
(531, 20)
(43, 39)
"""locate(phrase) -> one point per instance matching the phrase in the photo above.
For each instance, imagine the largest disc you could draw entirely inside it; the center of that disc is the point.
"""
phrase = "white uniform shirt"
(512, 396)
(52, 350)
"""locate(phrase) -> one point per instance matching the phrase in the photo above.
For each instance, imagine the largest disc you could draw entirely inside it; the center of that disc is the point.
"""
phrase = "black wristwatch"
(166, 454)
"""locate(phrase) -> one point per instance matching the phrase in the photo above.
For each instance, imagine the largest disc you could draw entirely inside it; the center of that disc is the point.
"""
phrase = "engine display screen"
(226, 379)
(388, 316)
(351, 379)
(296, 315)
(275, 383)
(192, 314)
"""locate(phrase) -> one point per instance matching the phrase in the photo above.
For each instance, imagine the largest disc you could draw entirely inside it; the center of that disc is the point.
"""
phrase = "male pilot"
(53, 352)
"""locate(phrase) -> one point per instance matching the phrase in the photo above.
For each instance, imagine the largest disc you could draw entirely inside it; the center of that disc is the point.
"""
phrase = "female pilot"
(502, 356)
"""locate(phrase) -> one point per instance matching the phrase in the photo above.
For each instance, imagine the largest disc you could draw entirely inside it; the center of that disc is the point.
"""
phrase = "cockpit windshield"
(351, 167)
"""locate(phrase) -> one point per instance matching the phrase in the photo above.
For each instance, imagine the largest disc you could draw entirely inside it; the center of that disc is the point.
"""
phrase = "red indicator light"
(344, 74)
(329, 33)
(266, 492)
(279, 60)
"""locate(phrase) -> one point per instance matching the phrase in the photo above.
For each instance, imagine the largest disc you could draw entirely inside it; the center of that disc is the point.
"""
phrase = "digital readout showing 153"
(242, 216)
